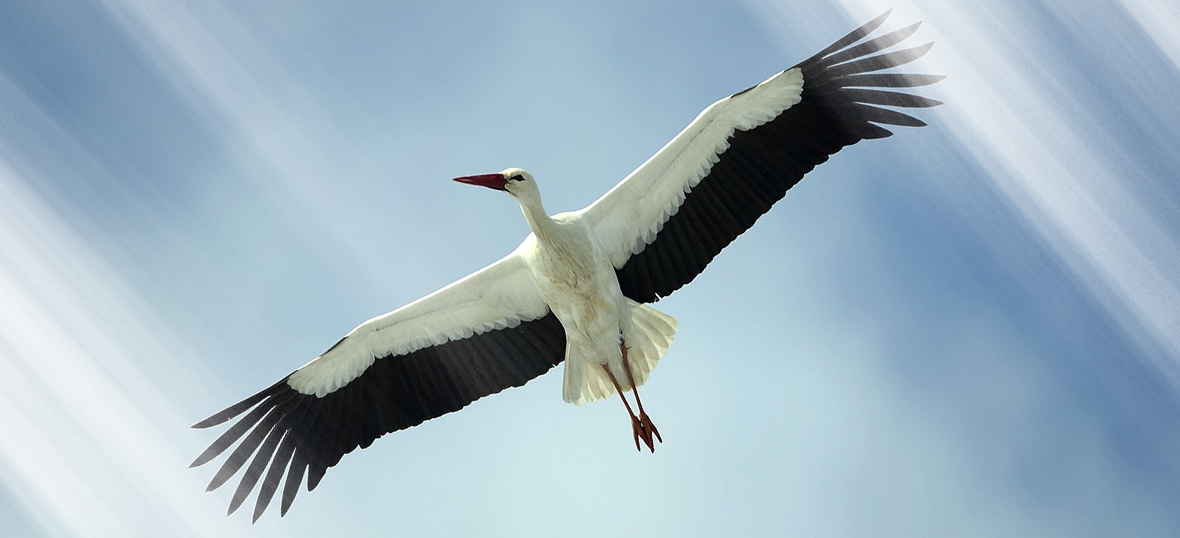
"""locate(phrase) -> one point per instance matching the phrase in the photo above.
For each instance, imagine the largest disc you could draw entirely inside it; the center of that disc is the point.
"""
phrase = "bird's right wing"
(487, 332)
(666, 221)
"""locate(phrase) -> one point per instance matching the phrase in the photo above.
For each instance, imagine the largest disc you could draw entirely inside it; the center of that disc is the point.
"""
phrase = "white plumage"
(629, 216)
(620, 223)
(574, 290)
(498, 296)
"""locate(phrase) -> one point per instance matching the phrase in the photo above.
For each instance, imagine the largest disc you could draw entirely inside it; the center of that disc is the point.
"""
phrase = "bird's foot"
(643, 428)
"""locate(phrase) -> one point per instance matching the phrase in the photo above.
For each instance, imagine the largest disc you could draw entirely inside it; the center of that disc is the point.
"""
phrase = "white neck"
(534, 213)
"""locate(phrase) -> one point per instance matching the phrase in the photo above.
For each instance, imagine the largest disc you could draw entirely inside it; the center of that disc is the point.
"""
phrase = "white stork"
(575, 288)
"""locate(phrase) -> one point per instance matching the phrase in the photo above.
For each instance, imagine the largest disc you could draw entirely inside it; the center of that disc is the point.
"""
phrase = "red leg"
(636, 425)
(643, 418)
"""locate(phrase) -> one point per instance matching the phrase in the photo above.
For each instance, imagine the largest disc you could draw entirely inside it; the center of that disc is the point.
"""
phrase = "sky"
(968, 329)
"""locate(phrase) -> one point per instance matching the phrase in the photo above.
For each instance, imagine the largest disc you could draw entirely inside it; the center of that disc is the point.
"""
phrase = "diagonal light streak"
(1039, 146)
(94, 442)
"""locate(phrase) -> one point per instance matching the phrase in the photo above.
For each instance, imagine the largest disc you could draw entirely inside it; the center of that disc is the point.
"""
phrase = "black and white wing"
(478, 336)
(667, 220)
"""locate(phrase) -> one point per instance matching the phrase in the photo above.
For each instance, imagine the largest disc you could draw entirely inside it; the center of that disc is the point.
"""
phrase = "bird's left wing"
(665, 221)
(480, 335)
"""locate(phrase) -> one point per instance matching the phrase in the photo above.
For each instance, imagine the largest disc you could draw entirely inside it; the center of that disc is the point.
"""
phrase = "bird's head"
(514, 181)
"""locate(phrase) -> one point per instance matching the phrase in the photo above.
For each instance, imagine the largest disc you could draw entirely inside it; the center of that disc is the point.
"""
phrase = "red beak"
(491, 181)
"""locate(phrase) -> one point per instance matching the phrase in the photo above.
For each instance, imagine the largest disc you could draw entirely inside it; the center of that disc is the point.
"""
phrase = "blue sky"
(967, 329)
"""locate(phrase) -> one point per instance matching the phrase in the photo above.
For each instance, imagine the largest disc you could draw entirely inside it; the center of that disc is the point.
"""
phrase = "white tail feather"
(651, 333)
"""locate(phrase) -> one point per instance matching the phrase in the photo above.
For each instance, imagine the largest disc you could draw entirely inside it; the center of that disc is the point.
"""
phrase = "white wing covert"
(629, 216)
(492, 330)
(498, 296)
(670, 217)
(482, 334)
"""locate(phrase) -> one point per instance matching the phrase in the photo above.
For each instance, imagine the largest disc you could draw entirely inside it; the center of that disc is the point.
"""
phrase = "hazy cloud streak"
(1043, 149)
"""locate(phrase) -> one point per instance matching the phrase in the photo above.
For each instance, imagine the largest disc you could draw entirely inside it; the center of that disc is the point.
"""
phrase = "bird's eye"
(517, 177)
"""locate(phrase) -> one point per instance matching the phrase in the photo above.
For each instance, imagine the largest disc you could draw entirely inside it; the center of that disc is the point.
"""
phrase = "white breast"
(579, 283)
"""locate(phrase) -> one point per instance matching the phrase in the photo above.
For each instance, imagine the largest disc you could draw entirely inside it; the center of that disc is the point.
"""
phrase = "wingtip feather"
(853, 36)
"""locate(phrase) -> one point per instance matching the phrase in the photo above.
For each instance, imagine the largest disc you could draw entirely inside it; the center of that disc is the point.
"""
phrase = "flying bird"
(576, 289)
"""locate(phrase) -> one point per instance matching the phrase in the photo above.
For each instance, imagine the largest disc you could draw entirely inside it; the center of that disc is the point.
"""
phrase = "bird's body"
(606, 349)
(574, 290)
(580, 287)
